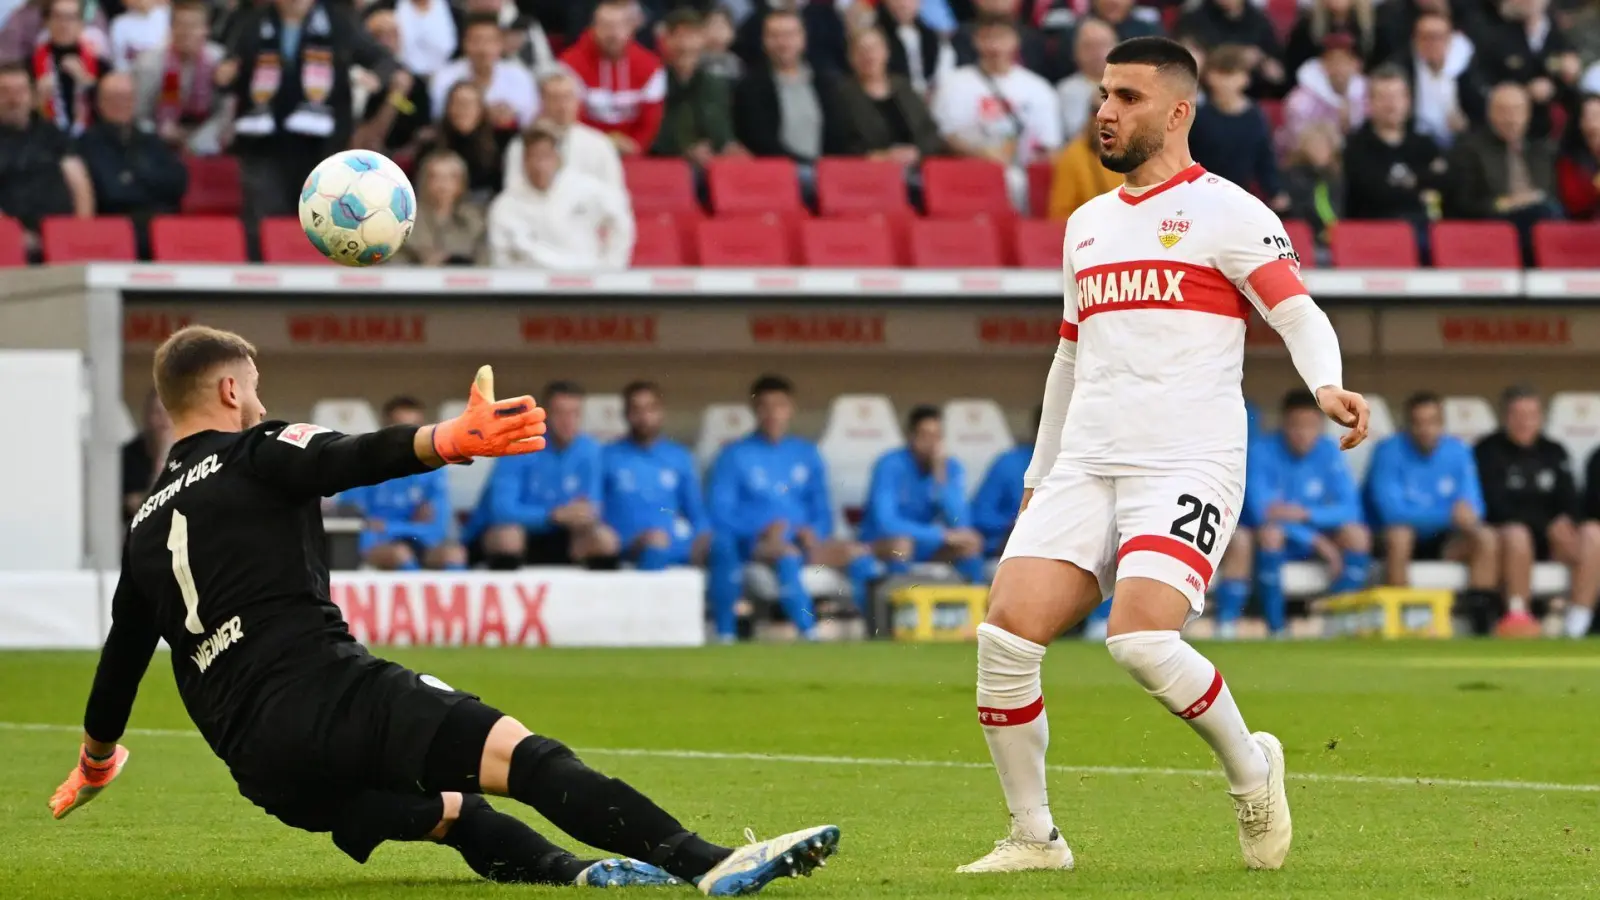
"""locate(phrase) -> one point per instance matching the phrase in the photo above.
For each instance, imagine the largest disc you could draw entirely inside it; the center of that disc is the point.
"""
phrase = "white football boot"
(1017, 855)
(1265, 830)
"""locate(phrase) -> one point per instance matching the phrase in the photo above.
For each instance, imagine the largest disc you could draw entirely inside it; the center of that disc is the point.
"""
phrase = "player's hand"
(490, 427)
(86, 781)
(1349, 409)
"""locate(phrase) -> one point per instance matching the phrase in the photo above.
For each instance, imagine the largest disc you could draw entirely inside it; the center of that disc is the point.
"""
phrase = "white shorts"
(1168, 526)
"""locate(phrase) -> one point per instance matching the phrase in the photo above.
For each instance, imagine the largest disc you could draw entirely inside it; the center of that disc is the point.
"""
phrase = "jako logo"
(1195, 583)
(1083, 244)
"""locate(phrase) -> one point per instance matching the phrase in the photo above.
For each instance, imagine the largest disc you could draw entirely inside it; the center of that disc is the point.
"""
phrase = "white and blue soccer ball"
(357, 207)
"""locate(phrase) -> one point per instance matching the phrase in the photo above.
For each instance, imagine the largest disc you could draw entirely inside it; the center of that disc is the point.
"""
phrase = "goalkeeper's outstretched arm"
(310, 461)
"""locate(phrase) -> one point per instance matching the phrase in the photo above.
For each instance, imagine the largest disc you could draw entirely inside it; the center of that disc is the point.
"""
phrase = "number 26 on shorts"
(1203, 536)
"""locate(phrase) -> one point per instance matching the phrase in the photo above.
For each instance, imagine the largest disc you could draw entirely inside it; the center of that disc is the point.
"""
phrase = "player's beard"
(1140, 147)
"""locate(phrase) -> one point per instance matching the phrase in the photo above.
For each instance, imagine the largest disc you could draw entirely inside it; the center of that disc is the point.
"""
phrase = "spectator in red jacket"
(624, 85)
(1578, 169)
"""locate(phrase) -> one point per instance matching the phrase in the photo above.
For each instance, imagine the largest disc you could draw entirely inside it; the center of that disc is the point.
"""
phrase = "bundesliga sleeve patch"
(300, 435)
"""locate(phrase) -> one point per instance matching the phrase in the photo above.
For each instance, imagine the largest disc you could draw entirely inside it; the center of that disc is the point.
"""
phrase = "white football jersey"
(1159, 287)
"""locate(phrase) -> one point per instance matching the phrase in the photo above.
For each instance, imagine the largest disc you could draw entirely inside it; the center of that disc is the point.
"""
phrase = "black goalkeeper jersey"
(226, 560)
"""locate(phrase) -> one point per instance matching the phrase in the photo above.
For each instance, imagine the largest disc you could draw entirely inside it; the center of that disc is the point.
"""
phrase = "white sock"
(1189, 685)
(1011, 711)
(1516, 605)
(1578, 620)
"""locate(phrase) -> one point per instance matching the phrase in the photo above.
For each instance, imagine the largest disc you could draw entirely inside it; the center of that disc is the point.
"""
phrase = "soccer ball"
(357, 207)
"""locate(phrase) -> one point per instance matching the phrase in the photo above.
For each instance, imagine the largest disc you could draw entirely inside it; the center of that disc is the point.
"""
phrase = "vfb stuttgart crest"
(1172, 231)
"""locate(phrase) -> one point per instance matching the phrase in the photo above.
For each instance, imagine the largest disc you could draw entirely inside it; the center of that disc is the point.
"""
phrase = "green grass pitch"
(1468, 769)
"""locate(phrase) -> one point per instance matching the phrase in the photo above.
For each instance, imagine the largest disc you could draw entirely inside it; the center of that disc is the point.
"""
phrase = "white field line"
(882, 762)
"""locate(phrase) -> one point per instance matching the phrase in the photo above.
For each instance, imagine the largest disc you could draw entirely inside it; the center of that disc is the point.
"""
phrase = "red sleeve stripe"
(1069, 330)
(1169, 546)
(1276, 282)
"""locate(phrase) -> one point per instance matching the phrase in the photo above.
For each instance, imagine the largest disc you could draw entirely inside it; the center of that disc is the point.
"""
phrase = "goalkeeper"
(224, 560)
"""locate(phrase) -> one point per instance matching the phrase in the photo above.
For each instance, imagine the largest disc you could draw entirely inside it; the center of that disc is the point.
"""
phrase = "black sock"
(504, 849)
(604, 812)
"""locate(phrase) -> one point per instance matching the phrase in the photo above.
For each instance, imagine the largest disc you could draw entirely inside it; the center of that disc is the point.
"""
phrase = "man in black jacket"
(135, 173)
(784, 108)
(288, 68)
(1530, 498)
(1390, 169)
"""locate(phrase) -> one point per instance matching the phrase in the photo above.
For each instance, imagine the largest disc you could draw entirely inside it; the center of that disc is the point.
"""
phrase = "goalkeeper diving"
(225, 561)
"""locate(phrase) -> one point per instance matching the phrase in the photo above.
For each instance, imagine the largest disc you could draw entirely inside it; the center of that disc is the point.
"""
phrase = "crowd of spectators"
(1399, 109)
(642, 501)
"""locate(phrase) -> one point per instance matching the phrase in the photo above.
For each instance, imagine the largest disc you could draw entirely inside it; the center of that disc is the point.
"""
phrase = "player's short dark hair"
(400, 403)
(561, 387)
(683, 17)
(1167, 56)
(1517, 392)
(1420, 399)
(186, 358)
(920, 413)
(771, 384)
(484, 18)
(989, 20)
(633, 388)
(1300, 398)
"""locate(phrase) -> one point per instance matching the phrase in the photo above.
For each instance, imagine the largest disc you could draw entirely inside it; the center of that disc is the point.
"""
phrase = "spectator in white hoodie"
(559, 218)
(584, 149)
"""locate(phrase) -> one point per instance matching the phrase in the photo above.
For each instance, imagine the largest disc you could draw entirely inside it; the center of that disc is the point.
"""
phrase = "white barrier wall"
(530, 608)
(42, 402)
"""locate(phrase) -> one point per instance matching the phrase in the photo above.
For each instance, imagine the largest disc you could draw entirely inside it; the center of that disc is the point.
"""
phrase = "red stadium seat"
(657, 243)
(1041, 177)
(744, 243)
(848, 188)
(954, 244)
(213, 186)
(966, 189)
(683, 225)
(1304, 241)
(1039, 243)
(659, 185)
(104, 239)
(846, 244)
(1358, 244)
(1475, 245)
(1566, 245)
(197, 239)
(897, 226)
(12, 253)
(283, 241)
(746, 187)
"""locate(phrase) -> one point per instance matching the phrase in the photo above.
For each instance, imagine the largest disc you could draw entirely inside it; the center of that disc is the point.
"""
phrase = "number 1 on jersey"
(178, 543)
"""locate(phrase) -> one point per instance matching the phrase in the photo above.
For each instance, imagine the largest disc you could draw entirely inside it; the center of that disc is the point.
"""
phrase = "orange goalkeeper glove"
(87, 780)
(490, 427)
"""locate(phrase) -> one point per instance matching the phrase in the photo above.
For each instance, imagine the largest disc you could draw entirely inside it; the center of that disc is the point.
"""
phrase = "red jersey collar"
(1184, 177)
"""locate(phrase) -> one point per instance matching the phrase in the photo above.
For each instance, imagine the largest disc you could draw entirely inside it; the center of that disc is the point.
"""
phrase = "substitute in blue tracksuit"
(407, 519)
(999, 498)
(1304, 504)
(1424, 495)
(543, 509)
(651, 490)
(917, 507)
(769, 502)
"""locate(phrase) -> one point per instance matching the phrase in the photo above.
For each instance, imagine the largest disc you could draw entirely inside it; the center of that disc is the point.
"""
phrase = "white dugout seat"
(860, 428)
(602, 417)
(1573, 421)
(1308, 579)
(976, 432)
(1469, 418)
(465, 482)
(720, 425)
(1380, 424)
(347, 414)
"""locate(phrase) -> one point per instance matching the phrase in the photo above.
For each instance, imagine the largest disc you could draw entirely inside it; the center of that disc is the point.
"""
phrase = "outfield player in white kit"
(1137, 477)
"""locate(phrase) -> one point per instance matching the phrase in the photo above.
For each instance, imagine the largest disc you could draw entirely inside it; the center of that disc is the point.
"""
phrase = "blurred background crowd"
(530, 126)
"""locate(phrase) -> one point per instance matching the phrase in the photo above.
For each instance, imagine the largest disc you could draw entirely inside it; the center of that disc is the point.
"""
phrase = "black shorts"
(1432, 547)
(552, 547)
(354, 725)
